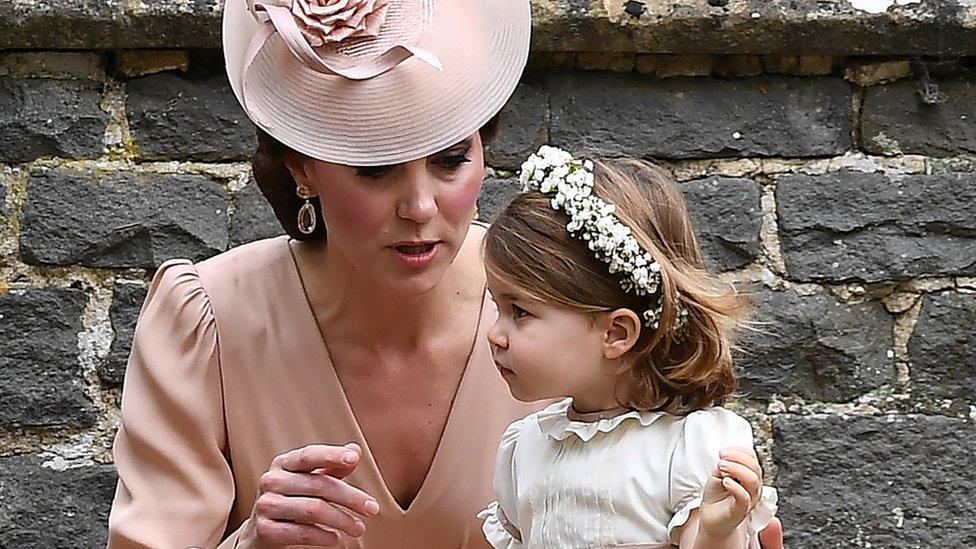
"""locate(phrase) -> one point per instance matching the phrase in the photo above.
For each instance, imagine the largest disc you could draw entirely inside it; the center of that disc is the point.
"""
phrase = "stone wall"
(840, 190)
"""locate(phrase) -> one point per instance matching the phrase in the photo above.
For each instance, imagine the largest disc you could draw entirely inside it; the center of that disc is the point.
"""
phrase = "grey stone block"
(815, 347)
(59, 24)
(896, 121)
(727, 216)
(253, 217)
(41, 506)
(3, 201)
(873, 227)
(174, 117)
(776, 27)
(522, 127)
(121, 220)
(123, 314)
(42, 117)
(634, 115)
(892, 482)
(495, 195)
(40, 376)
(942, 349)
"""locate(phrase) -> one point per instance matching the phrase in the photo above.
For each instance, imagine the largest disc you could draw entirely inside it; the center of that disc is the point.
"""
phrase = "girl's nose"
(496, 335)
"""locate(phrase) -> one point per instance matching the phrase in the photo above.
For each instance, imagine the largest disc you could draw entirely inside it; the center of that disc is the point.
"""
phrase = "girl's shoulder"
(716, 417)
(706, 431)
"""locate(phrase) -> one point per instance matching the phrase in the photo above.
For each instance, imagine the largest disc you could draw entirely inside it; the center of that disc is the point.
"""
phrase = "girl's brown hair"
(528, 247)
(278, 186)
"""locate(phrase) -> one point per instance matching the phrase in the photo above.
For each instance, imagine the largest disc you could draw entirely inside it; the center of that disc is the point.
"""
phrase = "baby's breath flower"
(570, 182)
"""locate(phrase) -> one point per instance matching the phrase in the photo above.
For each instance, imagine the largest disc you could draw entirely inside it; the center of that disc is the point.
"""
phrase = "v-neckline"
(367, 455)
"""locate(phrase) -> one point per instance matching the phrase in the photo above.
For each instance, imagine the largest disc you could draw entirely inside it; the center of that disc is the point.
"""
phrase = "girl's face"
(400, 225)
(544, 352)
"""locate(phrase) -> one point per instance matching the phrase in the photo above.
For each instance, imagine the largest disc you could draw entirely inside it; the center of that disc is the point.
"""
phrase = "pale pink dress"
(229, 369)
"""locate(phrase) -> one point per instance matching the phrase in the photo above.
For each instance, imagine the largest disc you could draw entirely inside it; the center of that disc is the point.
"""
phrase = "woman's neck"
(355, 308)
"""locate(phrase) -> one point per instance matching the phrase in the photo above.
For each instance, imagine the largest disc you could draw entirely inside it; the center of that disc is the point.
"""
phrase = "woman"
(304, 391)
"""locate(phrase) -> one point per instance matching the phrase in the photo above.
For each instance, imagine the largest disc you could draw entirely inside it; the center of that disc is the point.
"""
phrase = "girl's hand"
(732, 491)
(302, 500)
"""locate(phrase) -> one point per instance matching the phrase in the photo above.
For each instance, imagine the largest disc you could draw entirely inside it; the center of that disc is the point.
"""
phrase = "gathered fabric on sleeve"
(704, 433)
(501, 521)
(175, 487)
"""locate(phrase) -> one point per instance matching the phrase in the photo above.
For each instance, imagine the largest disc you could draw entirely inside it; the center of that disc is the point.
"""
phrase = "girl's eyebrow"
(511, 297)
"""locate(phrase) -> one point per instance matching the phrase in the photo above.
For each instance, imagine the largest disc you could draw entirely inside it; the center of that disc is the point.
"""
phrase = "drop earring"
(306, 214)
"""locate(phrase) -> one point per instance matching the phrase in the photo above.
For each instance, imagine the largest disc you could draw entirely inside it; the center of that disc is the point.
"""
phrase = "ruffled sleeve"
(501, 526)
(175, 485)
(704, 434)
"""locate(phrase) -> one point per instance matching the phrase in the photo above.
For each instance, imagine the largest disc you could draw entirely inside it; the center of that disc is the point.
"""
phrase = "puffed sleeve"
(703, 435)
(175, 484)
(501, 517)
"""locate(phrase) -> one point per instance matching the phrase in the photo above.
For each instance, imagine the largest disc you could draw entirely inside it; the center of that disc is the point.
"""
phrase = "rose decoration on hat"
(329, 21)
(304, 25)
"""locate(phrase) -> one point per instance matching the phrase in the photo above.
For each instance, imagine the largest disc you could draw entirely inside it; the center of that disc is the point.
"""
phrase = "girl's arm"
(731, 492)
(692, 538)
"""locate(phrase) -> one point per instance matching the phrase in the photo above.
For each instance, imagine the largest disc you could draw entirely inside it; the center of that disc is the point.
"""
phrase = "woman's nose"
(419, 203)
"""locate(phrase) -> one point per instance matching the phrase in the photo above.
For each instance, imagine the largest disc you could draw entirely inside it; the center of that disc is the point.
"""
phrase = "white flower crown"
(570, 181)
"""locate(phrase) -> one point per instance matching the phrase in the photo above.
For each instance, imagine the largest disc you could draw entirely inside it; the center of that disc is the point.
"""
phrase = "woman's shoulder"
(261, 258)
(232, 279)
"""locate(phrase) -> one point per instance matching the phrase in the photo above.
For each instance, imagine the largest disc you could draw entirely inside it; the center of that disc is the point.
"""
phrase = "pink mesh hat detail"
(374, 82)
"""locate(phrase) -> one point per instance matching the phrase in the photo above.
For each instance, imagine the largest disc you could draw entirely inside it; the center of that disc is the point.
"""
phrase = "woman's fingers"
(337, 461)
(744, 476)
(310, 511)
(290, 533)
(771, 537)
(318, 485)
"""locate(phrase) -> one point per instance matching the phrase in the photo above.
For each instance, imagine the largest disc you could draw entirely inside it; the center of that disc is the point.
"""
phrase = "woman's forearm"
(735, 540)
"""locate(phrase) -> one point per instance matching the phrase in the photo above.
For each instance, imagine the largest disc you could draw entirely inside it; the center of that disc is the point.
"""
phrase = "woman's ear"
(622, 329)
(299, 166)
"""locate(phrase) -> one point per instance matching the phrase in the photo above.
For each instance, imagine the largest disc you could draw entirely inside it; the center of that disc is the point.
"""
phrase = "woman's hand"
(732, 491)
(302, 500)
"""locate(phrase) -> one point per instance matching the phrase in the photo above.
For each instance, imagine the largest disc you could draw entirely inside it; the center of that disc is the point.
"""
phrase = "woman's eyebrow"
(377, 168)
(464, 142)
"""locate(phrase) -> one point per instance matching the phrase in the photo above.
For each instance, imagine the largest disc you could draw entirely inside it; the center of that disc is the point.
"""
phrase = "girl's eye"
(454, 160)
(518, 312)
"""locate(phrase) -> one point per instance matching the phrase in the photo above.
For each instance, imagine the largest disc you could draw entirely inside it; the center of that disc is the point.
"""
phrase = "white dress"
(625, 479)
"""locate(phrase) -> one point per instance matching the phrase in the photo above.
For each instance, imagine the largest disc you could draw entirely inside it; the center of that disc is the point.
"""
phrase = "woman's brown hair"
(677, 371)
(278, 186)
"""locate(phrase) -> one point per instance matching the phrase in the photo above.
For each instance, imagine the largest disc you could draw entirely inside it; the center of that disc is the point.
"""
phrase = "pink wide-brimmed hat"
(374, 82)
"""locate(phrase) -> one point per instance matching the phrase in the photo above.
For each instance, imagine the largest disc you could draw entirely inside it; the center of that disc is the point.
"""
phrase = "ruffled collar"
(558, 421)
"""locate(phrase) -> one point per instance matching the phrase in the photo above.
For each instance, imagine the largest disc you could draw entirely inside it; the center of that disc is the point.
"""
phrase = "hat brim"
(407, 113)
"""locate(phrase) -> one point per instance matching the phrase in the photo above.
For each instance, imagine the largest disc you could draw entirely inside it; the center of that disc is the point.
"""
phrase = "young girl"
(603, 297)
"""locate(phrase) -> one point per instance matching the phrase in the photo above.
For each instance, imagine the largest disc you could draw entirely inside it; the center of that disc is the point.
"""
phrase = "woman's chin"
(415, 285)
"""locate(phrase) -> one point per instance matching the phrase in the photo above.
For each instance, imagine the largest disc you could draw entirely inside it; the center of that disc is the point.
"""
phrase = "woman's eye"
(372, 172)
(454, 160)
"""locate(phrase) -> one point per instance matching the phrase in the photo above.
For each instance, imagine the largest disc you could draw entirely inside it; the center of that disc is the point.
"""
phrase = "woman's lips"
(416, 254)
